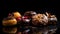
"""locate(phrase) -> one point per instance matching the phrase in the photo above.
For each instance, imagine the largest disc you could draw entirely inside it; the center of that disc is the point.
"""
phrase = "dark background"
(51, 6)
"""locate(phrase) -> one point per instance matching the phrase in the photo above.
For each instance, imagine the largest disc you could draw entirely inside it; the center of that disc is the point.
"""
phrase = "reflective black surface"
(23, 6)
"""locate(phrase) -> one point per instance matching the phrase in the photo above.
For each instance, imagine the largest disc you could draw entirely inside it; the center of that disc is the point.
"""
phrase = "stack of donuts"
(29, 17)
(35, 18)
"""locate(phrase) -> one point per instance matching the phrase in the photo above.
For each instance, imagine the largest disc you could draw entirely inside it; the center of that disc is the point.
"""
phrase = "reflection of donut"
(9, 21)
(19, 33)
(39, 19)
(10, 30)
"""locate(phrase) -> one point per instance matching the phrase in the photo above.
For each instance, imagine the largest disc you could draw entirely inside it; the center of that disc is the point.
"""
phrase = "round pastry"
(27, 16)
(26, 19)
(51, 18)
(9, 21)
(30, 13)
(16, 14)
(10, 30)
(39, 19)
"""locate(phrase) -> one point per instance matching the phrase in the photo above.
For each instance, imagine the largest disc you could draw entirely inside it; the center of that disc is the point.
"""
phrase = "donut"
(9, 21)
(39, 19)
